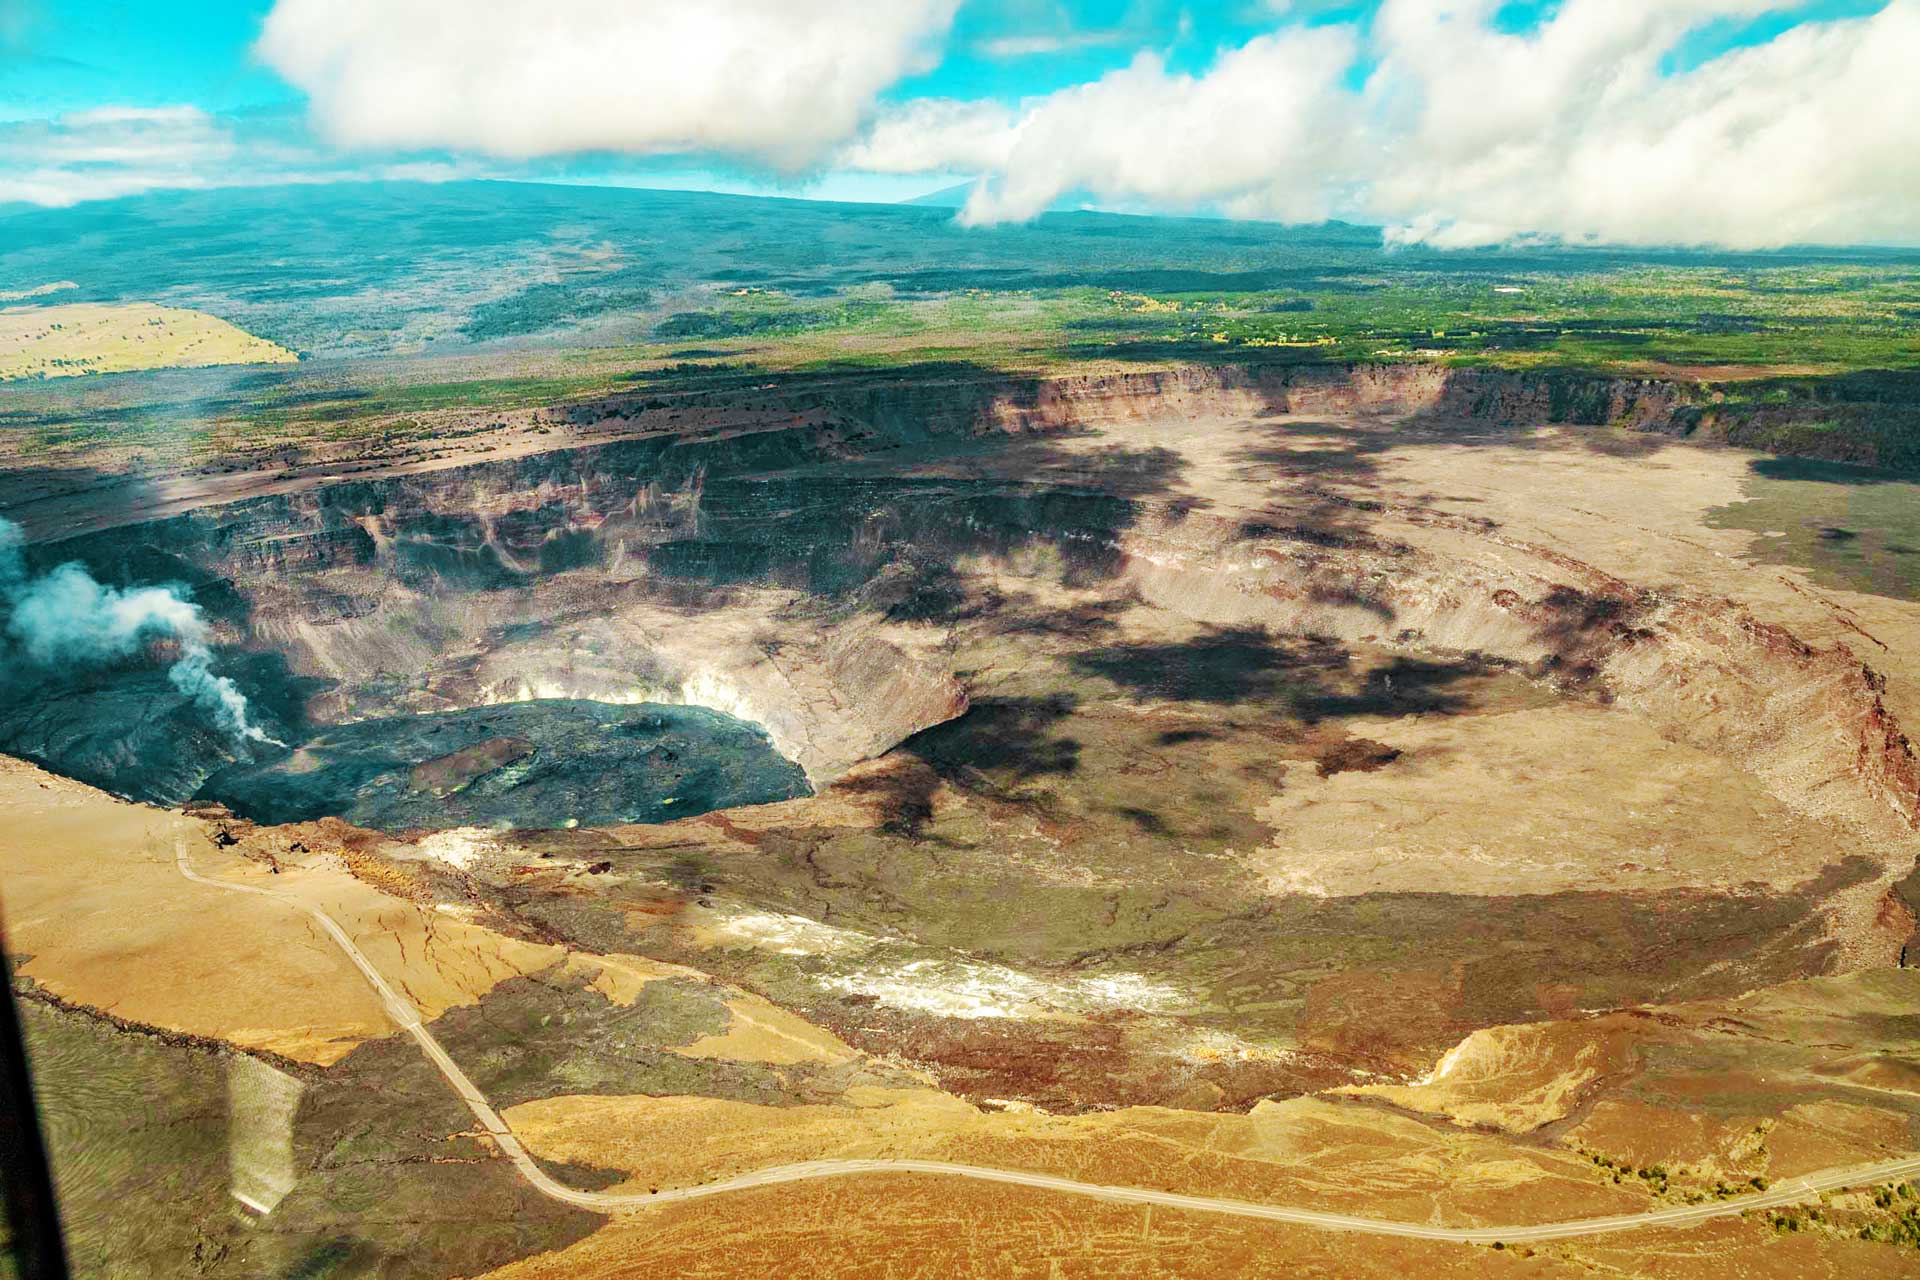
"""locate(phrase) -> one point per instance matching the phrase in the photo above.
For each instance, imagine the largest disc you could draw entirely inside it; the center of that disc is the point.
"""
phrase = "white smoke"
(67, 618)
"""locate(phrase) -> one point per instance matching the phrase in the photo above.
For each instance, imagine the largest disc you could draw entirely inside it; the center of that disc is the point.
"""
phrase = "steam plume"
(66, 618)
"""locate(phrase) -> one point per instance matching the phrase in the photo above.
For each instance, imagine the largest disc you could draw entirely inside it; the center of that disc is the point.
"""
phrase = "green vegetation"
(764, 313)
(1788, 1221)
(1803, 317)
(1900, 1223)
(490, 261)
(1794, 323)
(540, 307)
(1659, 1179)
(1886, 1214)
(493, 296)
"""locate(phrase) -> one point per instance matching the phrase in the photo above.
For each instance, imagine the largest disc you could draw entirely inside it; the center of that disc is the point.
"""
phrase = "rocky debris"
(444, 775)
(1362, 755)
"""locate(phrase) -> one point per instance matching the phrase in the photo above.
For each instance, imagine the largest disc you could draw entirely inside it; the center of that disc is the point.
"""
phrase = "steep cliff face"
(795, 421)
(514, 582)
(1867, 424)
(916, 410)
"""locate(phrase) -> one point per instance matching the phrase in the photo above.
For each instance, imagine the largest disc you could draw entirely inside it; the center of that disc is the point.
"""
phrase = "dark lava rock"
(125, 731)
(524, 764)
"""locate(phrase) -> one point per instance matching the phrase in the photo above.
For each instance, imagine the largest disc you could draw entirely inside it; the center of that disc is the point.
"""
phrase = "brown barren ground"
(903, 1228)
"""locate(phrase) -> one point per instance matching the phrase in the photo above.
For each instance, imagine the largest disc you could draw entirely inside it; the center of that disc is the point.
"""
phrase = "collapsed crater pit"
(547, 763)
(1302, 710)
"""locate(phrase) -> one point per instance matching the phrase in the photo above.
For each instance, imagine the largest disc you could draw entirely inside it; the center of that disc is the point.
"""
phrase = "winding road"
(1789, 1191)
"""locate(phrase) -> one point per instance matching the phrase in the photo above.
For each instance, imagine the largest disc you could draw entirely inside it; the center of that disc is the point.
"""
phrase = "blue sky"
(1046, 100)
(64, 55)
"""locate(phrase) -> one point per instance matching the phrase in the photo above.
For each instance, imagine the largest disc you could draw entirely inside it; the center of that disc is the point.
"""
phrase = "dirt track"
(408, 1018)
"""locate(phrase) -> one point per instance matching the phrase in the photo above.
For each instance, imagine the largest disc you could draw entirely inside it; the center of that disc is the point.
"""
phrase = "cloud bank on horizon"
(1739, 123)
(1460, 134)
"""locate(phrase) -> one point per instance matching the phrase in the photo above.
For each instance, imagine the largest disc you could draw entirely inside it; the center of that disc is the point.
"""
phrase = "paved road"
(1789, 1191)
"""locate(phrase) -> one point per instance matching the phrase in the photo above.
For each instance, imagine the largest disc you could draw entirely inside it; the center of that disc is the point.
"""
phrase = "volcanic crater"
(1187, 739)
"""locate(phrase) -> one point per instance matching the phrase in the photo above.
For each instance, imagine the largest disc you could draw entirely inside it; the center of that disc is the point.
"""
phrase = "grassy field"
(90, 337)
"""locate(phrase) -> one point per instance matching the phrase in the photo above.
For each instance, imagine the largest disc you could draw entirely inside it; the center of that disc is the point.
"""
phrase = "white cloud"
(59, 188)
(1465, 135)
(1810, 137)
(1459, 135)
(782, 82)
(111, 151)
(1260, 129)
(1033, 46)
(930, 134)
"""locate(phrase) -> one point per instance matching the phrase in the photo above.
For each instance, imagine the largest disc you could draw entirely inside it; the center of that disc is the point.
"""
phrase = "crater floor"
(517, 765)
(1291, 792)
